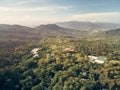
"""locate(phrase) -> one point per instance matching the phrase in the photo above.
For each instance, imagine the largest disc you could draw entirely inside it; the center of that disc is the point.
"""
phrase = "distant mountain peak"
(115, 32)
(49, 26)
(88, 26)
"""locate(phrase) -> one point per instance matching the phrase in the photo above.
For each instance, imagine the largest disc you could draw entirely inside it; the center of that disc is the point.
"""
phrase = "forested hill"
(115, 32)
(17, 32)
(42, 31)
(53, 30)
(60, 64)
(89, 26)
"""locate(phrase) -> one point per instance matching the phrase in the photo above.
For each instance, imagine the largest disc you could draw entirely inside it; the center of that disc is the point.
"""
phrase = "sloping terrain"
(115, 32)
(17, 32)
(42, 31)
(88, 26)
(53, 30)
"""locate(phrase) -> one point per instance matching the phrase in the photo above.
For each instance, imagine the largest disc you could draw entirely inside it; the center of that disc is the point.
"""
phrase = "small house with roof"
(99, 60)
(35, 52)
(69, 49)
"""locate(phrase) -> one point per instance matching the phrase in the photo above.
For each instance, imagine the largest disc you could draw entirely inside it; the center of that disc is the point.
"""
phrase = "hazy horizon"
(37, 12)
(35, 25)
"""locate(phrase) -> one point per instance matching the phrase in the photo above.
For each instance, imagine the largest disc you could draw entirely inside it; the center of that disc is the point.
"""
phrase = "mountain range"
(88, 26)
(59, 30)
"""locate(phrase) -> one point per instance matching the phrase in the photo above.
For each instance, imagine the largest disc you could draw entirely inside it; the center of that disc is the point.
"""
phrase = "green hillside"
(115, 32)
(61, 64)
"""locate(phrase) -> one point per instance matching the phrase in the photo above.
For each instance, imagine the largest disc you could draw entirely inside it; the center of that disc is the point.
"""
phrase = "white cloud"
(30, 1)
(31, 15)
(98, 17)
(32, 9)
(29, 20)
(12, 9)
(45, 19)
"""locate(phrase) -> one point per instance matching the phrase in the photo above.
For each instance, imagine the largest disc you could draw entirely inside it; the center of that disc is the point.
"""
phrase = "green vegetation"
(58, 68)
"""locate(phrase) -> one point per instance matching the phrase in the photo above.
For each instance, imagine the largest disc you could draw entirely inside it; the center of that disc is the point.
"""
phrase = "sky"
(36, 12)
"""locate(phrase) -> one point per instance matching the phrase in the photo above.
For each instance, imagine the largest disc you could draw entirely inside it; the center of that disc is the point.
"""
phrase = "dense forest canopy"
(61, 64)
